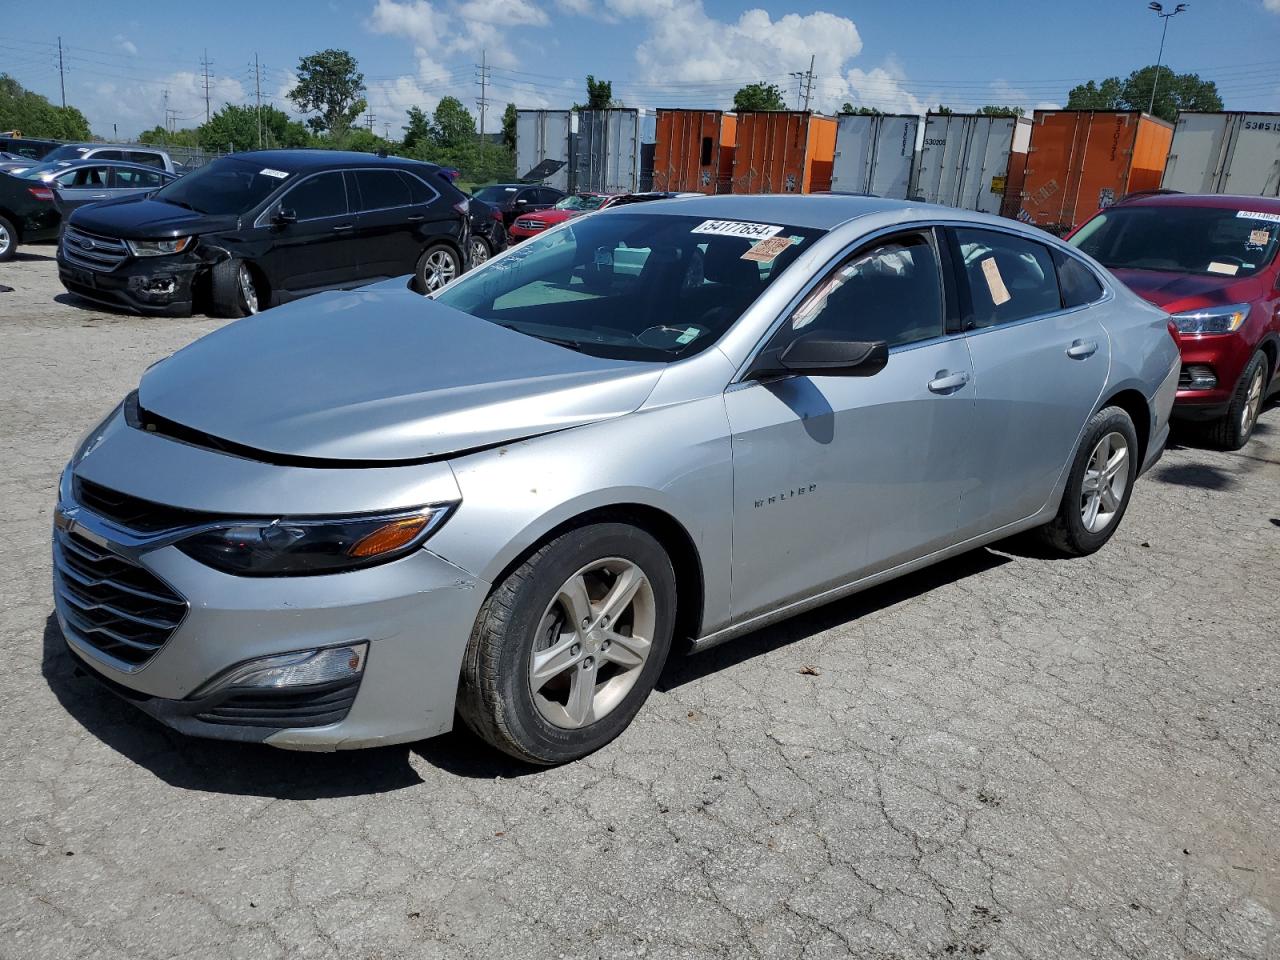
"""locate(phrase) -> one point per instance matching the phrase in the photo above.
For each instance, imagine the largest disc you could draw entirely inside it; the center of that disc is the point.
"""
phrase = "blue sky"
(903, 55)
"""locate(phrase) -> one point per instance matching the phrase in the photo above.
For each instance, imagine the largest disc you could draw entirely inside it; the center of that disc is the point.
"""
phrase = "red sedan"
(1210, 261)
(574, 205)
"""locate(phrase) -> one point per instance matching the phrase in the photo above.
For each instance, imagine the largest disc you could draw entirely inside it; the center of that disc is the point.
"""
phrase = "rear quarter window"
(1078, 283)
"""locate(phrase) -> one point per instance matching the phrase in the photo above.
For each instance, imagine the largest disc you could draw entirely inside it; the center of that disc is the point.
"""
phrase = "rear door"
(389, 225)
(1039, 370)
(128, 181)
(318, 249)
(840, 477)
(81, 185)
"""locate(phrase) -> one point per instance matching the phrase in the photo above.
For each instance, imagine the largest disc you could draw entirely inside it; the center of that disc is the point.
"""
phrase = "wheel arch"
(1270, 345)
(1133, 402)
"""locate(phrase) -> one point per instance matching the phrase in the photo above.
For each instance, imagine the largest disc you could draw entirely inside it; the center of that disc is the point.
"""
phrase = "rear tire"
(236, 291)
(1099, 486)
(8, 240)
(480, 251)
(438, 265)
(1235, 427)
(559, 662)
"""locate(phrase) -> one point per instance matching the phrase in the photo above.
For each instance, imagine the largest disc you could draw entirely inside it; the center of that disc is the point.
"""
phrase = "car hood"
(1185, 291)
(382, 374)
(141, 218)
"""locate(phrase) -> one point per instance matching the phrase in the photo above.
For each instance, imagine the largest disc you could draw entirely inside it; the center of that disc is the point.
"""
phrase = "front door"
(1039, 370)
(317, 249)
(839, 477)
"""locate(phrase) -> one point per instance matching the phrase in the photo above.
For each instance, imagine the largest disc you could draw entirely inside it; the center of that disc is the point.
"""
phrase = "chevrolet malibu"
(344, 521)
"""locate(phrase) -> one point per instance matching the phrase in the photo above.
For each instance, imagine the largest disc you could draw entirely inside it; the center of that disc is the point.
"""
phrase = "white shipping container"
(545, 135)
(615, 150)
(874, 154)
(964, 159)
(1225, 153)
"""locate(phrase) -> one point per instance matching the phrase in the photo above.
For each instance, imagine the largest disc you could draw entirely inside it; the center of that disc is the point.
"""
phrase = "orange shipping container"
(782, 151)
(694, 151)
(1083, 160)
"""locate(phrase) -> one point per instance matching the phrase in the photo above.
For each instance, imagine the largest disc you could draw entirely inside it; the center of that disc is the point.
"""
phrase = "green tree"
(159, 136)
(236, 128)
(418, 131)
(995, 110)
(330, 84)
(1174, 92)
(599, 94)
(861, 111)
(509, 127)
(759, 96)
(942, 110)
(454, 125)
(366, 141)
(33, 115)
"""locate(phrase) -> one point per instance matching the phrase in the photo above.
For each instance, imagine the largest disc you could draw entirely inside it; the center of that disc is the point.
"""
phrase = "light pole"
(1159, 12)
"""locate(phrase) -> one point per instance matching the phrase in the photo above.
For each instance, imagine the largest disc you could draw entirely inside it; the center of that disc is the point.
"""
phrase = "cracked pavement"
(1002, 756)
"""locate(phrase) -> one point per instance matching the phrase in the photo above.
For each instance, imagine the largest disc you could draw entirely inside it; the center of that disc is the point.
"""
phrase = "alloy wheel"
(1252, 403)
(441, 268)
(248, 292)
(479, 251)
(593, 642)
(5, 240)
(1106, 478)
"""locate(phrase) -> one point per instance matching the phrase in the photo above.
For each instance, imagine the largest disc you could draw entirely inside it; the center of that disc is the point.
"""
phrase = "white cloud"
(125, 44)
(1272, 5)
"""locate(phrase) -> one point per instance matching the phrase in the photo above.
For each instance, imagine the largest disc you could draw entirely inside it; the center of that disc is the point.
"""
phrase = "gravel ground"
(1003, 756)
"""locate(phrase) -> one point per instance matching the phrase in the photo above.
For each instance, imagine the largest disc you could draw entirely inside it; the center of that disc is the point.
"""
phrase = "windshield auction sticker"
(268, 172)
(767, 250)
(737, 228)
(1255, 215)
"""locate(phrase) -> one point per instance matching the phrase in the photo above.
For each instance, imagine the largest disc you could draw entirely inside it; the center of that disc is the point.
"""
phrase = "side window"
(89, 177)
(1077, 282)
(137, 179)
(108, 155)
(380, 189)
(420, 192)
(1010, 278)
(323, 195)
(890, 291)
(145, 157)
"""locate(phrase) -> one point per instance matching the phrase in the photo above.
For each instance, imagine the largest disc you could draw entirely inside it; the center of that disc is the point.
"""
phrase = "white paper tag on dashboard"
(268, 172)
(995, 282)
(1228, 269)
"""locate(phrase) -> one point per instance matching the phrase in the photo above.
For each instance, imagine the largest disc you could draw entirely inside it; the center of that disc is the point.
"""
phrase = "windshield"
(68, 151)
(581, 201)
(225, 186)
(1203, 240)
(631, 286)
(495, 194)
(42, 171)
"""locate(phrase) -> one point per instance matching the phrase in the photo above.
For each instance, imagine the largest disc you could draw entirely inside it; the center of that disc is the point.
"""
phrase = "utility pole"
(1158, 9)
(369, 118)
(386, 131)
(808, 82)
(62, 80)
(804, 88)
(205, 64)
(482, 78)
(166, 109)
(257, 92)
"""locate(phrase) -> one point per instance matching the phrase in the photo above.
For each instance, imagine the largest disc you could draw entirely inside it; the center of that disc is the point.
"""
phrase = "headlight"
(305, 547)
(1226, 319)
(159, 248)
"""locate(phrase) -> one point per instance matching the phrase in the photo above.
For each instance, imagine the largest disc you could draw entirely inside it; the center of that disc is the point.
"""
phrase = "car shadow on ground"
(250, 769)
(20, 256)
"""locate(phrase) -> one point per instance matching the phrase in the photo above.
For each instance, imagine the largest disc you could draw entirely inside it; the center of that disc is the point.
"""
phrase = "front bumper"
(1226, 355)
(156, 285)
(415, 613)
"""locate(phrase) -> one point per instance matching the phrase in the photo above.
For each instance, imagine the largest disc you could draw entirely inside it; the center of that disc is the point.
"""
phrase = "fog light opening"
(305, 668)
(1201, 378)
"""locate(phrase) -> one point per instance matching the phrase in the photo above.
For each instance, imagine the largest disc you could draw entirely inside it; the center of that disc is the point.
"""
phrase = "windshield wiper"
(573, 345)
(180, 203)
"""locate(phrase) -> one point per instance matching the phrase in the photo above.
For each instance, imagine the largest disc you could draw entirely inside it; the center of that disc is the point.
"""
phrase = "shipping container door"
(1197, 153)
(854, 155)
(989, 170)
(1252, 167)
(544, 135)
(895, 148)
(941, 159)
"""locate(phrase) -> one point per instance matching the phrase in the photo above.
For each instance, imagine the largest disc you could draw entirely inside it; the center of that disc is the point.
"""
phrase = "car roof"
(91, 162)
(1220, 200)
(815, 211)
(298, 160)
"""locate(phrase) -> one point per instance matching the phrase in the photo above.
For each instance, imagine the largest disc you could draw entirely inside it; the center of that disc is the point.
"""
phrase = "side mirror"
(821, 354)
(284, 215)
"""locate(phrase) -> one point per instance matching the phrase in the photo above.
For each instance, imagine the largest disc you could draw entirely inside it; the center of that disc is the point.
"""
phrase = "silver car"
(349, 519)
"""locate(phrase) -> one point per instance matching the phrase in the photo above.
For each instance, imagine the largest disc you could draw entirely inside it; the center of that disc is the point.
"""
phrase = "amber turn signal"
(390, 536)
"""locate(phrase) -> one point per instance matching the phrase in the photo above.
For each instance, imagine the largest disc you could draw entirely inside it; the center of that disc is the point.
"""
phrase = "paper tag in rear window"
(995, 282)
(268, 172)
(1227, 269)
(737, 228)
(1258, 215)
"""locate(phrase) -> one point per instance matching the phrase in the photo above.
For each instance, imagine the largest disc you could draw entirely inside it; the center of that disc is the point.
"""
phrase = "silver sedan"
(349, 519)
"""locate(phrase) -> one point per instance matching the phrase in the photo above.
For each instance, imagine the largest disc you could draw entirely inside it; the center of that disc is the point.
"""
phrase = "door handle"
(416, 218)
(1082, 349)
(99, 196)
(945, 382)
(342, 227)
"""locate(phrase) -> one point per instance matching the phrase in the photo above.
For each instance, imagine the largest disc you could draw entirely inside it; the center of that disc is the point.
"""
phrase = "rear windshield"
(631, 286)
(1203, 240)
(225, 186)
(495, 194)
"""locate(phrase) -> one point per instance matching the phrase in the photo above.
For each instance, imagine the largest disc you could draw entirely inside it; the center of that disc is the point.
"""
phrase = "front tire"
(438, 265)
(8, 240)
(235, 289)
(1236, 426)
(569, 645)
(1098, 487)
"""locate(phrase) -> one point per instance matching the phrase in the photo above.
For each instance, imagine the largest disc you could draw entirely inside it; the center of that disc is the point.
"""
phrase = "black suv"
(27, 214)
(256, 229)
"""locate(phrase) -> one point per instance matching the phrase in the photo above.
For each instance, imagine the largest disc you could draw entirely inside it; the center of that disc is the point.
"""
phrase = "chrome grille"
(113, 605)
(93, 251)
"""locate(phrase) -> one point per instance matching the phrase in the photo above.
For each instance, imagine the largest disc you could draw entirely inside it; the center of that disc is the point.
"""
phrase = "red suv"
(1210, 261)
